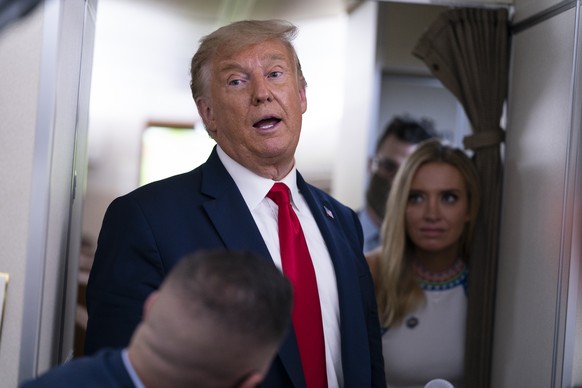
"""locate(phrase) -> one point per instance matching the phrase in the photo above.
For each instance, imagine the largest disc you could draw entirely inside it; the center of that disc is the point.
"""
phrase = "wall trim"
(569, 282)
(542, 16)
(40, 193)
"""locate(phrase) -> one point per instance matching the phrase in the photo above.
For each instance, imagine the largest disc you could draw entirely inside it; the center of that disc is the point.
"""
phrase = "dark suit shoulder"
(104, 369)
(319, 200)
(166, 199)
(177, 185)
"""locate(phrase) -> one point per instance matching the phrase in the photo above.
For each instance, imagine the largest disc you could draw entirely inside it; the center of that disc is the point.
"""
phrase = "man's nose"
(261, 92)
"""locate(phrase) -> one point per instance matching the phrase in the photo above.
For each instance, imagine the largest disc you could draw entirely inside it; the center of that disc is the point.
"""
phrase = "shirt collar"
(132, 373)
(254, 188)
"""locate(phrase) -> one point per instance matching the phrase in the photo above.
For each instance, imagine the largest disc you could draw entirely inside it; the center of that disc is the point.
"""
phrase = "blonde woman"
(420, 271)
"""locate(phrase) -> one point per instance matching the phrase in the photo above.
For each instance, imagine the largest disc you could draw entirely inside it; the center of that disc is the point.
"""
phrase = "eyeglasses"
(385, 166)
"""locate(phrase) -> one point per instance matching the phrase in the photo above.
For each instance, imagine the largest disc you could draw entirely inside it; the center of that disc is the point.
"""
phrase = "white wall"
(421, 97)
(140, 73)
(536, 254)
(321, 49)
(360, 109)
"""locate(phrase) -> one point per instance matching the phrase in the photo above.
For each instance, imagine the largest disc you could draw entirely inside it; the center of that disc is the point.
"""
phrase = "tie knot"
(279, 193)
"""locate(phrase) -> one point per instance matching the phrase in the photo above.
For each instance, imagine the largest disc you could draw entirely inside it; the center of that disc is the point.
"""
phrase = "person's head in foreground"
(216, 321)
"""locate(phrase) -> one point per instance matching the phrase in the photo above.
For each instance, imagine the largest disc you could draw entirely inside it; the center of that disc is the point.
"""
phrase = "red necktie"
(298, 267)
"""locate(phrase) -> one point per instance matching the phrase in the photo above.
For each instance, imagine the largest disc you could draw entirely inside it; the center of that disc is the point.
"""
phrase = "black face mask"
(377, 194)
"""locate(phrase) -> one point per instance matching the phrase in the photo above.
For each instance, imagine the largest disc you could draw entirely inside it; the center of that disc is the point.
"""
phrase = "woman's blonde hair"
(397, 291)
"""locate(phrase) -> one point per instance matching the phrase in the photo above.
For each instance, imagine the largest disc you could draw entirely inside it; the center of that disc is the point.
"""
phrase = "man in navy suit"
(249, 90)
(216, 321)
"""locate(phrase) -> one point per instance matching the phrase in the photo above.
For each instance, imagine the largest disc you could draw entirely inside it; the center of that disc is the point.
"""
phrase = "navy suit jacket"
(145, 232)
(104, 369)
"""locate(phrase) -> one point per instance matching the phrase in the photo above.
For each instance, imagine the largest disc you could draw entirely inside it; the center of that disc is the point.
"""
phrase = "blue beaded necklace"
(444, 280)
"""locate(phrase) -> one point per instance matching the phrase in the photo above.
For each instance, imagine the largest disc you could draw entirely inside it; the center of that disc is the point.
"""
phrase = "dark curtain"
(468, 50)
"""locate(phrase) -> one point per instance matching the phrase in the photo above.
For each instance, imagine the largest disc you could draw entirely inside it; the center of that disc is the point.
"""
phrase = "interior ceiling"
(225, 11)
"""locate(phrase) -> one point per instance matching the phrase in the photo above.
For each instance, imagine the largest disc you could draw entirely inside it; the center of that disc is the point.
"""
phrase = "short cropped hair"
(409, 130)
(236, 289)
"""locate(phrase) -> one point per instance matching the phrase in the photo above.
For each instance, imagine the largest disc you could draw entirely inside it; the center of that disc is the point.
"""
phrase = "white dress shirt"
(254, 189)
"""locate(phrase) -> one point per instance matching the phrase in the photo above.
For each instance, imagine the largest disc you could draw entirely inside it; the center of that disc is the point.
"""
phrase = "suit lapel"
(228, 211)
(354, 338)
(331, 230)
(289, 356)
(234, 223)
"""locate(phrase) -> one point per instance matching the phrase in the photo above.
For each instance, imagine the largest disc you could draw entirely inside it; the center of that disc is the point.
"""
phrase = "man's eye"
(234, 82)
(275, 74)
(386, 166)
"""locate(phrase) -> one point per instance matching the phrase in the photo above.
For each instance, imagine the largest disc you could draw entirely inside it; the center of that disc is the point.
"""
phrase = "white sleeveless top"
(430, 342)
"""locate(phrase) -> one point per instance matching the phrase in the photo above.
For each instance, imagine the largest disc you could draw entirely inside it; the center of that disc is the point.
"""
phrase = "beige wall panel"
(40, 61)
(539, 124)
(20, 52)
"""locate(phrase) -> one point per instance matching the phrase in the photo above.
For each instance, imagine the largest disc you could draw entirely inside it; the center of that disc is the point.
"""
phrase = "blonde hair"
(234, 37)
(397, 291)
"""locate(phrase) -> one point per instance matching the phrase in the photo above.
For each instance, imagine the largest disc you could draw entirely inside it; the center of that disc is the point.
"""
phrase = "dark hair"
(244, 292)
(407, 129)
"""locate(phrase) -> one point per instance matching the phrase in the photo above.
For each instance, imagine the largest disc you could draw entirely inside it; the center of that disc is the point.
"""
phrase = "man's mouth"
(267, 123)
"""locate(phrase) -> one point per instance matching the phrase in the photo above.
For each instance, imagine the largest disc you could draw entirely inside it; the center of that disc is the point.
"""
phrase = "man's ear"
(252, 380)
(370, 162)
(206, 113)
(147, 305)
(303, 99)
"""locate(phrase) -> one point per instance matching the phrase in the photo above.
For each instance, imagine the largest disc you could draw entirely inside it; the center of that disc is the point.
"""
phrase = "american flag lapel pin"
(328, 212)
